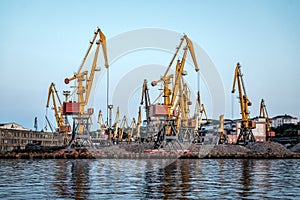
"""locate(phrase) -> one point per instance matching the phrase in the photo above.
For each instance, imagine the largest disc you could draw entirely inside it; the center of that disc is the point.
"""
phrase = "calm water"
(149, 179)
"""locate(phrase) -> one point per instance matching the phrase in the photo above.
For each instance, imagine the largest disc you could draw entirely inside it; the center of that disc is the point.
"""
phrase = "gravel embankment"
(146, 151)
(268, 147)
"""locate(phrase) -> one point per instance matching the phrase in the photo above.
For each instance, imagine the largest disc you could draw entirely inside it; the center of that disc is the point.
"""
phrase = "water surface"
(149, 179)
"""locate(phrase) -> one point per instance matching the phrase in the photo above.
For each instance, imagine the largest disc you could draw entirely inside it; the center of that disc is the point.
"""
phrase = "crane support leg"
(245, 136)
(83, 140)
(167, 137)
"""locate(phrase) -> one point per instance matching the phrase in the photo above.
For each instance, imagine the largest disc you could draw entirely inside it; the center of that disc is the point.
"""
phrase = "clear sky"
(45, 41)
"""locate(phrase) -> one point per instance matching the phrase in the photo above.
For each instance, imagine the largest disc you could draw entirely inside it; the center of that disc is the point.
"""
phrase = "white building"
(283, 119)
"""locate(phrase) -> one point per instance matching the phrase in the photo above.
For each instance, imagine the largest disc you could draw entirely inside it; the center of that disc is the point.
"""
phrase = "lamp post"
(110, 107)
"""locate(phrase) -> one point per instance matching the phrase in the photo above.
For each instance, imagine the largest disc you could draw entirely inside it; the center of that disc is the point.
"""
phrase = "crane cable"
(198, 81)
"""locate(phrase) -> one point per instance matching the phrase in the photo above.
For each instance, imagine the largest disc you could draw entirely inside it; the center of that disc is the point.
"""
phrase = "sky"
(45, 41)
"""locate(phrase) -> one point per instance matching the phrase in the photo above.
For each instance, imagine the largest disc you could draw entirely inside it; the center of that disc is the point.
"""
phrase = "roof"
(12, 125)
(284, 116)
(3, 124)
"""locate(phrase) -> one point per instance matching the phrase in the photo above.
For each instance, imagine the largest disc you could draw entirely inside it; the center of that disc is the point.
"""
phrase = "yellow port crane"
(85, 79)
(61, 122)
(172, 118)
(124, 125)
(168, 94)
(264, 114)
(245, 135)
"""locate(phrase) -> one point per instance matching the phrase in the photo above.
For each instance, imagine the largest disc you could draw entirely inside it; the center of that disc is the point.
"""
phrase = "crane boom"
(103, 40)
(192, 52)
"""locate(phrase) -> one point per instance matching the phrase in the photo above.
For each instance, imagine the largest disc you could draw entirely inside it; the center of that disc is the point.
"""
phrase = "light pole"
(110, 107)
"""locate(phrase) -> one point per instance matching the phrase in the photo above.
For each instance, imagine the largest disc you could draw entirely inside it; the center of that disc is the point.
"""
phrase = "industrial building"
(14, 136)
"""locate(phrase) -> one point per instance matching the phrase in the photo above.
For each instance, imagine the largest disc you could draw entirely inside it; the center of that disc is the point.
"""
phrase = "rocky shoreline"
(260, 150)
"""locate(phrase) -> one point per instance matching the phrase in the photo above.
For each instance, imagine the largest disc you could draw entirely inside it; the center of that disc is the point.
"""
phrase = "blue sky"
(45, 41)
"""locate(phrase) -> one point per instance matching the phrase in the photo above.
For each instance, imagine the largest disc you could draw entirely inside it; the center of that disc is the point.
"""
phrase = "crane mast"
(247, 125)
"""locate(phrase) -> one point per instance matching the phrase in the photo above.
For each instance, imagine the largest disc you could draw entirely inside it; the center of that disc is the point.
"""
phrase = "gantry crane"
(172, 119)
(84, 81)
(245, 136)
(264, 114)
(61, 121)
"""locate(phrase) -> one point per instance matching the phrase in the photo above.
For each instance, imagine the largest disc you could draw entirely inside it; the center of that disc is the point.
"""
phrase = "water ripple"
(149, 179)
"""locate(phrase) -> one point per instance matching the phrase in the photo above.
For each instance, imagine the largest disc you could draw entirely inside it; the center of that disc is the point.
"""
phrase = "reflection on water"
(149, 179)
(72, 179)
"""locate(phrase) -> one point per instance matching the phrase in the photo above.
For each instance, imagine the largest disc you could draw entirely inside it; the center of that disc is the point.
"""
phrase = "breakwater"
(265, 150)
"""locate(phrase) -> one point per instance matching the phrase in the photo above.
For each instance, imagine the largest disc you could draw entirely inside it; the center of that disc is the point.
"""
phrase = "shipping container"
(158, 110)
(70, 108)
